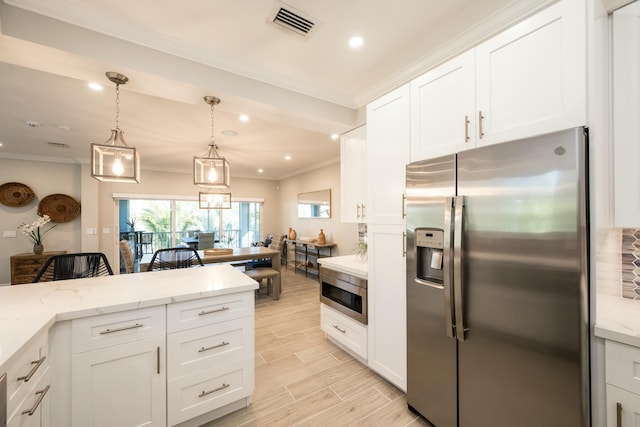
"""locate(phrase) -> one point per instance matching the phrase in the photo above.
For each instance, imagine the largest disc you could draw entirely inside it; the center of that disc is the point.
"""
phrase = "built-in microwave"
(344, 293)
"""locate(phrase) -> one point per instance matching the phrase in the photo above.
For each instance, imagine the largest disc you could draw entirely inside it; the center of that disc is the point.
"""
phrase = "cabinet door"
(122, 385)
(626, 109)
(386, 292)
(629, 407)
(353, 175)
(531, 79)
(443, 109)
(387, 155)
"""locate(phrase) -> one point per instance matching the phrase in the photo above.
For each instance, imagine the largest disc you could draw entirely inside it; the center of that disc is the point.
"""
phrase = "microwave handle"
(447, 270)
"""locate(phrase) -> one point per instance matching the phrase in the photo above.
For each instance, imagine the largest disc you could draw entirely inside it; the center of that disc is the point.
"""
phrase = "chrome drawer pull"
(126, 328)
(202, 313)
(203, 349)
(344, 331)
(36, 364)
(38, 402)
(204, 393)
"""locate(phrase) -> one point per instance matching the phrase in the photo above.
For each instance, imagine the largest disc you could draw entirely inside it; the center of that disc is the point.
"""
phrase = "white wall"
(344, 235)
(44, 179)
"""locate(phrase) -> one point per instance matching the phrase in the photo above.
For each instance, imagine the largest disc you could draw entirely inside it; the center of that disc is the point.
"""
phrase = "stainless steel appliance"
(345, 293)
(497, 286)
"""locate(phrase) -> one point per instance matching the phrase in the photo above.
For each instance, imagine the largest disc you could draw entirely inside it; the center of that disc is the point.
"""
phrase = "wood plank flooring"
(303, 379)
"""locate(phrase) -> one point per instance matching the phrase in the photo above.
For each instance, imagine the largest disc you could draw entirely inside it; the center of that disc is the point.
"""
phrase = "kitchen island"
(104, 330)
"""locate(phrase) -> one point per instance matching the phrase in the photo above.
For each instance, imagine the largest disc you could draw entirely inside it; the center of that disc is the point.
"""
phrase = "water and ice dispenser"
(429, 254)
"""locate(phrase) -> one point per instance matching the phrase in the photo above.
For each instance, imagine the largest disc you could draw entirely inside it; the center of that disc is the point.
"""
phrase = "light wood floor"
(303, 379)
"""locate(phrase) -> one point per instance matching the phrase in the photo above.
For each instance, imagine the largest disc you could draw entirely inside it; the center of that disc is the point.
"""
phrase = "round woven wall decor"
(59, 207)
(15, 194)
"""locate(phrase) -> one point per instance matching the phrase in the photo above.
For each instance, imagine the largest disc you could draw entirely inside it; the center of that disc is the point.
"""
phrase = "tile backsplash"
(630, 263)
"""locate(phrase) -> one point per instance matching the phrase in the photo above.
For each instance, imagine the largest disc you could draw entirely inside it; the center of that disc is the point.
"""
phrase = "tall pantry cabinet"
(387, 154)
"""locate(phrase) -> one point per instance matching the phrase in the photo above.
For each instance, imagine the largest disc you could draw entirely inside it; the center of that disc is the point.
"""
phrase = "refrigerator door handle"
(447, 271)
(457, 269)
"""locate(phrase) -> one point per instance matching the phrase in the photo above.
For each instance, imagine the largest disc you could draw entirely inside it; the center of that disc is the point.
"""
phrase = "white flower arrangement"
(33, 231)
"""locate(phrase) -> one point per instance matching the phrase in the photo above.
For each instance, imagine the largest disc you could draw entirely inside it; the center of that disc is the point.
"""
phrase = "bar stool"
(260, 274)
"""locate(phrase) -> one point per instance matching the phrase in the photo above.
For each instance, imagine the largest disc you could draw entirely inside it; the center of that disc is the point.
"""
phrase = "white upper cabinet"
(388, 142)
(531, 79)
(443, 109)
(353, 175)
(526, 81)
(626, 110)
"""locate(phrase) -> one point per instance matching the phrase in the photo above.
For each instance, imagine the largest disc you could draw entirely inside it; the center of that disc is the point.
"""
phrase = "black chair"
(74, 266)
(172, 258)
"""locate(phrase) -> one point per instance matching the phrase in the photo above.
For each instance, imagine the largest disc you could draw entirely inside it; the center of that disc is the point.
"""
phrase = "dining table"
(235, 256)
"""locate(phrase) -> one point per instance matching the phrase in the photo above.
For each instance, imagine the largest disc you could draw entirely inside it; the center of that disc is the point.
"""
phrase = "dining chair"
(127, 256)
(172, 258)
(206, 240)
(74, 266)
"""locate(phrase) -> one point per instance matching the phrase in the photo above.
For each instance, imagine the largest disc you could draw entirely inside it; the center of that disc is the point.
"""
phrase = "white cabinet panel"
(531, 78)
(207, 311)
(25, 372)
(122, 385)
(626, 110)
(387, 155)
(344, 330)
(33, 410)
(353, 175)
(387, 303)
(628, 404)
(443, 109)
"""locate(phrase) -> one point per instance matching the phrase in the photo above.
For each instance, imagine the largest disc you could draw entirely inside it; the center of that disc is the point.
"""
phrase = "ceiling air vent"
(292, 20)
(57, 144)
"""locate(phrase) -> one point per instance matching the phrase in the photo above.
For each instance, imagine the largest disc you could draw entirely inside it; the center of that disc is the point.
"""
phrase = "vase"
(322, 239)
(38, 249)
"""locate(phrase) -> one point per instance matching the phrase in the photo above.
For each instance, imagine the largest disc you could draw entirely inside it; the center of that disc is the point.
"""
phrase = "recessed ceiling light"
(335, 136)
(260, 170)
(95, 86)
(356, 41)
(287, 157)
(32, 124)
(0, 144)
(229, 132)
(244, 118)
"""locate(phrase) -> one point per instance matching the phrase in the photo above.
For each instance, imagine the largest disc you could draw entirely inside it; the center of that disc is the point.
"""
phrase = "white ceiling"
(296, 90)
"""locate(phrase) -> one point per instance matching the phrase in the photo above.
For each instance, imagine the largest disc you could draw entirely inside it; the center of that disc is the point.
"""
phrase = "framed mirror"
(315, 204)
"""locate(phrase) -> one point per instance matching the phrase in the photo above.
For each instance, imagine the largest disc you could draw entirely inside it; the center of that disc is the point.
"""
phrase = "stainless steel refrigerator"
(497, 286)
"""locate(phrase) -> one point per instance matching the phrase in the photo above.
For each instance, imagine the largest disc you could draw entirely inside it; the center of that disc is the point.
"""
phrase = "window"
(171, 221)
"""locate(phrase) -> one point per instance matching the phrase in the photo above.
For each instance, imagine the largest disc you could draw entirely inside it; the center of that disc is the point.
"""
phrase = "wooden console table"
(25, 267)
(306, 254)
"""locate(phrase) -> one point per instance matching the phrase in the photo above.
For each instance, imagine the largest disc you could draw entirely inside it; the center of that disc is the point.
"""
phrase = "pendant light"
(114, 160)
(210, 170)
(209, 200)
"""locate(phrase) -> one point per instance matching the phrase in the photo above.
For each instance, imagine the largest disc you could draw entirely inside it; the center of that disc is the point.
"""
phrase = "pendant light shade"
(114, 160)
(207, 200)
(211, 170)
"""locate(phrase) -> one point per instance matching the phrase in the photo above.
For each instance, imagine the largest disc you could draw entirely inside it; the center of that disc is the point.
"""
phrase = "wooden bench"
(260, 274)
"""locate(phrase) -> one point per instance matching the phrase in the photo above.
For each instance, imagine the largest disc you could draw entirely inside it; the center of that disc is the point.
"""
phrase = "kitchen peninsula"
(88, 348)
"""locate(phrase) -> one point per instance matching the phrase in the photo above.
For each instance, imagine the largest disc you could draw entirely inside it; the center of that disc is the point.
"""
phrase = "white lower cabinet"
(118, 375)
(623, 384)
(29, 386)
(210, 358)
(346, 332)
(387, 305)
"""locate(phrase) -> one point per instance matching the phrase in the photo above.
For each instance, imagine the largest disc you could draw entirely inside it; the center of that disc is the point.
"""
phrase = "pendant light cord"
(212, 138)
(117, 106)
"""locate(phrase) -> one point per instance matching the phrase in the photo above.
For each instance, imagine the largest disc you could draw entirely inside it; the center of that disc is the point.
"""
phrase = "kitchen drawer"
(630, 407)
(25, 372)
(201, 392)
(36, 403)
(623, 366)
(91, 333)
(344, 330)
(201, 348)
(206, 311)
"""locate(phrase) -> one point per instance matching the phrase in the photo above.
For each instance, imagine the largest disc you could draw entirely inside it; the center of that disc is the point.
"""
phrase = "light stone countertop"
(26, 310)
(618, 319)
(349, 264)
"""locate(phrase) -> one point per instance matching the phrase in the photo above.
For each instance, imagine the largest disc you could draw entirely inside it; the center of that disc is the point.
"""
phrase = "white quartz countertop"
(25, 310)
(618, 319)
(349, 264)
